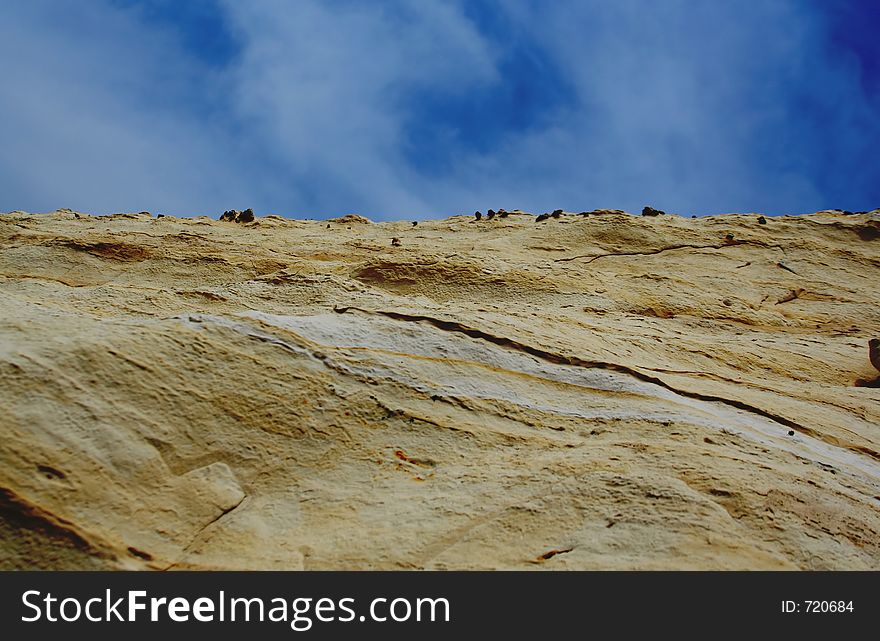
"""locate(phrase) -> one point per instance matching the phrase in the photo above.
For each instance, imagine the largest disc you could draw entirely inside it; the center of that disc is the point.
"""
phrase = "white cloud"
(94, 115)
(685, 105)
(326, 82)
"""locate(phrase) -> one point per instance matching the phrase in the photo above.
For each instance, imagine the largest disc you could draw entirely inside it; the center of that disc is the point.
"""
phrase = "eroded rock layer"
(587, 392)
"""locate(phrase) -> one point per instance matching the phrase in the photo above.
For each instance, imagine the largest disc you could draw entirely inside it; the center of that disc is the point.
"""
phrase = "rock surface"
(595, 392)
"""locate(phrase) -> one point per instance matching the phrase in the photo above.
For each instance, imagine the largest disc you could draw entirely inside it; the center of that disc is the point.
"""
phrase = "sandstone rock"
(352, 219)
(608, 394)
(874, 358)
(599, 212)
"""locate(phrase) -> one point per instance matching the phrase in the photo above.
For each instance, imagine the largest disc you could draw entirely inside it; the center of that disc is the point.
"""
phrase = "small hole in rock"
(146, 556)
(51, 472)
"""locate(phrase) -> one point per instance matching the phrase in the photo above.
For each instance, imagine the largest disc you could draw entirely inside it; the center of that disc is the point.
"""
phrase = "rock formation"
(606, 392)
(235, 216)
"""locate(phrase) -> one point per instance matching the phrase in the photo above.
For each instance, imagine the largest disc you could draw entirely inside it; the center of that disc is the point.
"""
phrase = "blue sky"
(416, 109)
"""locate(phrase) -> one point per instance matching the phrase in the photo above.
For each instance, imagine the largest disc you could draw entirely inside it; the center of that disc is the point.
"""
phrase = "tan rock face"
(588, 392)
